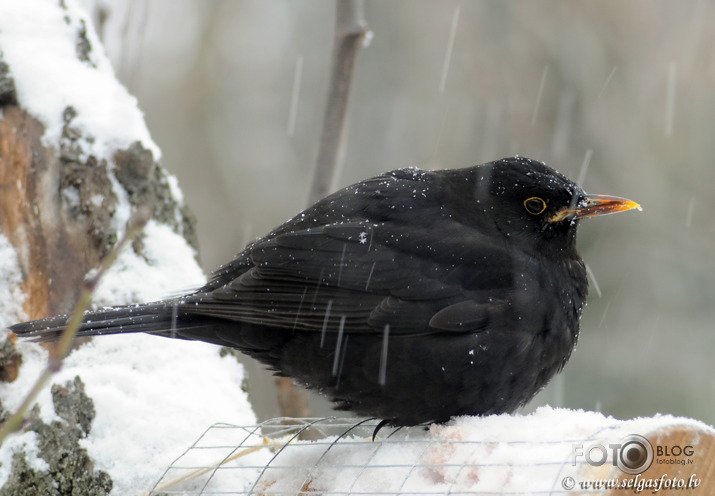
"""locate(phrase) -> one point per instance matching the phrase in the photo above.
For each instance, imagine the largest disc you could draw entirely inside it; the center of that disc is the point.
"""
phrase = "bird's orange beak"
(596, 205)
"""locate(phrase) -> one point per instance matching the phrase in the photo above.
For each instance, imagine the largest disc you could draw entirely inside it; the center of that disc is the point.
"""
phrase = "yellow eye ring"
(534, 205)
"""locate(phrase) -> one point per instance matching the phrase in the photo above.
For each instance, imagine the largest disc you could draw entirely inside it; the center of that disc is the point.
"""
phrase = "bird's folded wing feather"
(362, 276)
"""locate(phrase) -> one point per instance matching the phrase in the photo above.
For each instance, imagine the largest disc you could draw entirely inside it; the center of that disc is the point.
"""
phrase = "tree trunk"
(65, 201)
(53, 246)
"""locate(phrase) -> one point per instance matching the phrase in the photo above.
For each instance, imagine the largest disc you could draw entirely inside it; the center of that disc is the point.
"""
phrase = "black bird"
(413, 296)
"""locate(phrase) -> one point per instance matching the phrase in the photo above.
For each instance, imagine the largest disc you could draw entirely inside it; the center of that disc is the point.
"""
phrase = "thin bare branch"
(350, 33)
(57, 355)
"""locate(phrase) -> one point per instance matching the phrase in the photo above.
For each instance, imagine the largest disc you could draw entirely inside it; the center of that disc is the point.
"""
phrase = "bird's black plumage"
(413, 296)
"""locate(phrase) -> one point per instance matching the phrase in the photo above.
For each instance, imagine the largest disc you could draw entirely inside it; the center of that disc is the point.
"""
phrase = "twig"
(58, 353)
(350, 32)
(196, 473)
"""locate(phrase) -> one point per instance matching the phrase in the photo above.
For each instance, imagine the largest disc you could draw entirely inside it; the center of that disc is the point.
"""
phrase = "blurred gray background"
(620, 93)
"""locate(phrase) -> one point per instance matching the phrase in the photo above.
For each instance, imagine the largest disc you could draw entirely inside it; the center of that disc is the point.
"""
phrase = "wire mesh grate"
(337, 456)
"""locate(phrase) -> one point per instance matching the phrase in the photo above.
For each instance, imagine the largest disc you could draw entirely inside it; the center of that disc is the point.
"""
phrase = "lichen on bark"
(70, 470)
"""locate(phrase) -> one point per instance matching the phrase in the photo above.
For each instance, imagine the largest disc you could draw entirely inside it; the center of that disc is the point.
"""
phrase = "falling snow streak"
(670, 98)
(584, 167)
(317, 287)
(689, 213)
(539, 94)
(343, 351)
(325, 322)
(295, 95)
(448, 53)
(593, 280)
(382, 375)
(338, 349)
(608, 80)
(300, 307)
(342, 264)
(369, 276)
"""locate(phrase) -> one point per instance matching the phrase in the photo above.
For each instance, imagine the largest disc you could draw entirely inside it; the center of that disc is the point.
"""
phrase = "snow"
(25, 443)
(123, 211)
(152, 396)
(39, 44)
(499, 454)
(160, 392)
(175, 189)
(11, 296)
(38, 40)
(163, 392)
(157, 273)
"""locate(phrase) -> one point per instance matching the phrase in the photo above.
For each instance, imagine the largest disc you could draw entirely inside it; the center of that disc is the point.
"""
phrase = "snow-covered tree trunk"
(76, 159)
(59, 207)
(67, 184)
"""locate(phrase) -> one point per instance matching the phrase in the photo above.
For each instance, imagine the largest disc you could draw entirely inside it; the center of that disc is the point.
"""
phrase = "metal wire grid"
(270, 459)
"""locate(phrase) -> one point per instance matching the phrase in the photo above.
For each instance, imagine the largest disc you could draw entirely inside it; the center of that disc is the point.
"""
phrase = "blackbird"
(413, 296)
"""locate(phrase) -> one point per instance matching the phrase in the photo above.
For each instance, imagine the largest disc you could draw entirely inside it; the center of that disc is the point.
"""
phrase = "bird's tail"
(158, 318)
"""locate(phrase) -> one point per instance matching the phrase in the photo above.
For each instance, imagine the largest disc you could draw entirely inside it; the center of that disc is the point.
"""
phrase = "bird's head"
(525, 200)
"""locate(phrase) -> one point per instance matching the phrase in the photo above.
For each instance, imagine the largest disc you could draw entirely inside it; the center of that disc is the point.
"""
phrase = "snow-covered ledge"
(551, 451)
(75, 159)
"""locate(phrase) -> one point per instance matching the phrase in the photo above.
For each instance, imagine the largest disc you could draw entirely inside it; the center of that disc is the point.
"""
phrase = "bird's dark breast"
(432, 376)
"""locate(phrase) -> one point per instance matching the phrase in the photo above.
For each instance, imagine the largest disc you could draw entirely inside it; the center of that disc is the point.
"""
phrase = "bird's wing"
(361, 277)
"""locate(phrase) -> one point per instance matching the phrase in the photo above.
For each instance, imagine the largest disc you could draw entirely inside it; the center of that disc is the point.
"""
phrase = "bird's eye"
(534, 205)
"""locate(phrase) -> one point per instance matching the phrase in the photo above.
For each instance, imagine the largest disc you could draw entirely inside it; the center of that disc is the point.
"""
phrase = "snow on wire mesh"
(336, 456)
